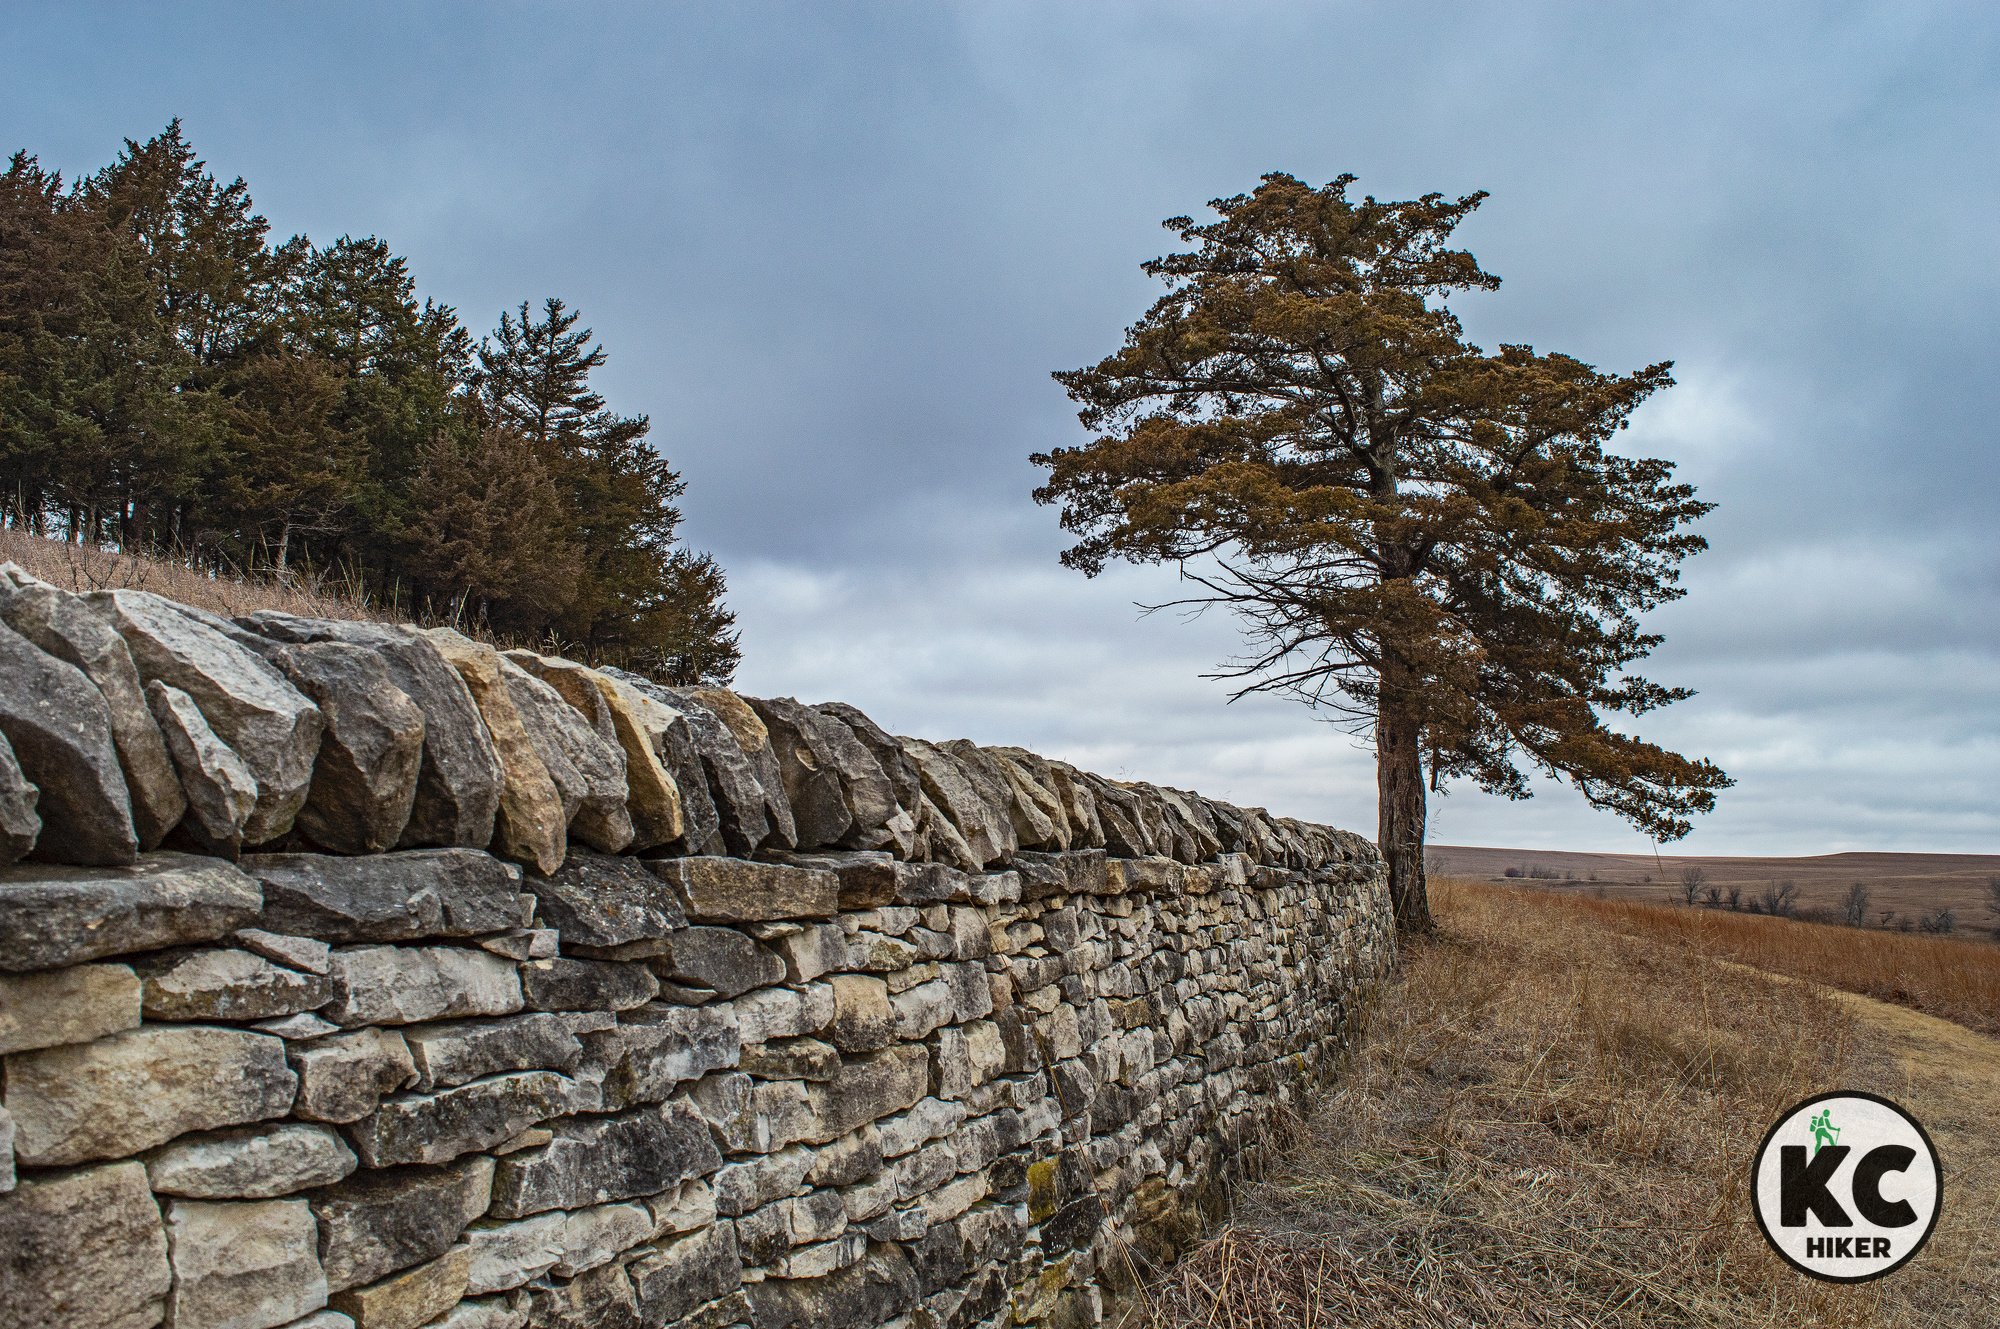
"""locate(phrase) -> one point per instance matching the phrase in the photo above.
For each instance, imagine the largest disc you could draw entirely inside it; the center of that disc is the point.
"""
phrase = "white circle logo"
(1846, 1186)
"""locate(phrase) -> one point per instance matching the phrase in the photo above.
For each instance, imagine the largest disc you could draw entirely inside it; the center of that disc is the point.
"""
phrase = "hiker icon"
(1824, 1132)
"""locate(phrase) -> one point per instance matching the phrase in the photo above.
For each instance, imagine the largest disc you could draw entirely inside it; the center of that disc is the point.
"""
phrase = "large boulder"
(656, 793)
(586, 763)
(458, 786)
(53, 916)
(20, 824)
(532, 827)
(65, 627)
(221, 790)
(59, 727)
(840, 795)
(364, 783)
(267, 722)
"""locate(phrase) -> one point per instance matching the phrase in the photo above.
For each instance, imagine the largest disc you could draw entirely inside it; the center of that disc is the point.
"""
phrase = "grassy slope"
(1550, 1122)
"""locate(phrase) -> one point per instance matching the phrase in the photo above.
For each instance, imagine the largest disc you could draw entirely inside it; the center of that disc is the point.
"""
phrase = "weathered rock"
(1037, 804)
(587, 766)
(250, 1163)
(506, 1255)
(839, 794)
(64, 627)
(436, 1128)
(599, 1299)
(780, 1012)
(408, 984)
(458, 786)
(1027, 823)
(656, 1048)
(532, 827)
(593, 1160)
(75, 1005)
(83, 1250)
(874, 1291)
(409, 896)
(642, 727)
(960, 795)
(20, 824)
(51, 916)
(488, 1313)
(130, 1091)
(341, 1078)
(863, 1020)
(264, 719)
(719, 958)
(458, 1051)
(677, 1277)
(375, 1223)
(59, 728)
(226, 985)
(364, 780)
(867, 1089)
(792, 1058)
(732, 890)
(242, 1266)
(743, 821)
(754, 742)
(609, 904)
(411, 1298)
(300, 953)
(565, 984)
(221, 791)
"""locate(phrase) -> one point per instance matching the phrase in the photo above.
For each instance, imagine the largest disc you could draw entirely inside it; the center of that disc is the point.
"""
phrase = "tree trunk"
(1399, 786)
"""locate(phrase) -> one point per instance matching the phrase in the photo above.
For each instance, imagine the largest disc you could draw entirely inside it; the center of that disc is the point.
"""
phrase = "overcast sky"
(835, 250)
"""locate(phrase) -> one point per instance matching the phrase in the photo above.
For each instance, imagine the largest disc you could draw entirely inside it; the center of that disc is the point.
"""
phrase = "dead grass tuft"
(1548, 1122)
(81, 568)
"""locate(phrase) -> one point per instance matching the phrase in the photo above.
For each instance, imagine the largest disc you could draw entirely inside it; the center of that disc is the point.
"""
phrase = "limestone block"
(741, 732)
(689, 1206)
(853, 1157)
(601, 1298)
(792, 1058)
(733, 890)
(58, 726)
(364, 782)
(838, 792)
(607, 903)
(52, 916)
(410, 984)
(662, 803)
(678, 1276)
(411, 896)
(868, 1088)
(929, 1119)
(783, 1112)
(920, 1010)
(597, 1159)
(20, 824)
(532, 825)
(411, 1298)
(63, 626)
(253, 1163)
(458, 785)
(436, 1128)
(723, 959)
(489, 1313)
(875, 1291)
(863, 1019)
(300, 953)
(564, 984)
(814, 949)
(250, 705)
(84, 1250)
(752, 1183)
(343, 1077)
(226, 985)
(821, 1260)
(220, 788)
(771, 1013)
(506, 1255)
(453, 1052)
(656, 1048)
(58, 1006)
(375, 1223)
(249, 1265)
(587, 765)
(957, 792)
(592, 1236)
(1027, 821)
(130, 1091)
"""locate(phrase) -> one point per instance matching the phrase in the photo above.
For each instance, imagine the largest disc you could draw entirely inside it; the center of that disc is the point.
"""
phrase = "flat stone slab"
(375, 1223)
(254, 1163)
(732, 890)
(52, 916)
(607, 903)
(592, 1160)
(58, 1006)
(410, 896)
(242, 1265)
(128, 1092)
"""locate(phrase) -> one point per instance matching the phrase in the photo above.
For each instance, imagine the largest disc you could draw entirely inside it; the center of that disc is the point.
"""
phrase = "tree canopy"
(1421, 537)
(171, 378)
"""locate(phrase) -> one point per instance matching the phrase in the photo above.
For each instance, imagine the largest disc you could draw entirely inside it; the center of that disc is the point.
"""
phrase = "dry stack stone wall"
(362, 977)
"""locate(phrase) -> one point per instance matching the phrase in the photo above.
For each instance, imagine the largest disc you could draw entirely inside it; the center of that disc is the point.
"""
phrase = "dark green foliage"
(169, 378)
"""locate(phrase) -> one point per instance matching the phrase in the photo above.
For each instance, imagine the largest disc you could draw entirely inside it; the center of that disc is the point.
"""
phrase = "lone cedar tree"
(1419, 536)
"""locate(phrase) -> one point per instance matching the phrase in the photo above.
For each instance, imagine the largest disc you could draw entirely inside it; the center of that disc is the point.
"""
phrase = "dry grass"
(91, 568)
(1550, 1121)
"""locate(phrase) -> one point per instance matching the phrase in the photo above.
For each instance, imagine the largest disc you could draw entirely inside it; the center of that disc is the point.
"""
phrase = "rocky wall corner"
(362, 977)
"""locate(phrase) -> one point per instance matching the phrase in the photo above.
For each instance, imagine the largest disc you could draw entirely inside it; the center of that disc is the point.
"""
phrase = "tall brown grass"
(1548, 1121)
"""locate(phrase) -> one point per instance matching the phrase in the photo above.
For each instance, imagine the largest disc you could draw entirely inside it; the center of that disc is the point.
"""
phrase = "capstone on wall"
(361, 977)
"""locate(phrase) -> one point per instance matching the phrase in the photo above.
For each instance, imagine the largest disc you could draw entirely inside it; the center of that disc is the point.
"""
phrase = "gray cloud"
(834, 251)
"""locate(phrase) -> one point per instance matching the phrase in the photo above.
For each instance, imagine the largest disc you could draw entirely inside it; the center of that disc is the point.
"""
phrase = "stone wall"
(359, 976)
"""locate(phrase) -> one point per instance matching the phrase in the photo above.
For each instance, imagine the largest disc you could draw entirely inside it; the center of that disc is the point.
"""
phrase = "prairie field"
(1550, 1115)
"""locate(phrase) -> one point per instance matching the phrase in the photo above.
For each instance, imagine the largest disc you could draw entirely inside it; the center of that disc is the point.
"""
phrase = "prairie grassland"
(83, 568)
(1549, 1121)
